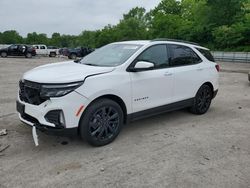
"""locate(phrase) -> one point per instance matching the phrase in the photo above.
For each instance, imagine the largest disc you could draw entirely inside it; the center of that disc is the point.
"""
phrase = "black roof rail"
(174, 40)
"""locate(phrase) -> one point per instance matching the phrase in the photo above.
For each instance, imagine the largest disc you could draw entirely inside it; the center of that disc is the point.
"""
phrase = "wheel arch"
(114, 98)
(210, 85)
(4, 51)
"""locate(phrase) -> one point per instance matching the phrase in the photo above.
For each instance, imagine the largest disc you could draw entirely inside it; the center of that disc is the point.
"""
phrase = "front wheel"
(3, 54)
(202, 100)
(101, 122)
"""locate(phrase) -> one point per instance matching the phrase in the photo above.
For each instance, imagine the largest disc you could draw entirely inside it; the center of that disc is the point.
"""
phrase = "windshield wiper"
(90, 64)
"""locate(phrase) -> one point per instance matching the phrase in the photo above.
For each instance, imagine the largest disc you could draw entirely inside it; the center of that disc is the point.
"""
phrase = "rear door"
(43, 50)
(188, 70)
(152, 88)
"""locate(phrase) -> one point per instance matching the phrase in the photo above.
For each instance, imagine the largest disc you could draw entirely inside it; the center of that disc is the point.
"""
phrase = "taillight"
(217, 67)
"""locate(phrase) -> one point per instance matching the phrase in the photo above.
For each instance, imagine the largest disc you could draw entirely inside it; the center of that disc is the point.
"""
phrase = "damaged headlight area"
(58, 90)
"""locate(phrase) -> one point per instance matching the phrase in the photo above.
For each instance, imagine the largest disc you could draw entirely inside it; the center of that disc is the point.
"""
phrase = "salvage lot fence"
(237, 57)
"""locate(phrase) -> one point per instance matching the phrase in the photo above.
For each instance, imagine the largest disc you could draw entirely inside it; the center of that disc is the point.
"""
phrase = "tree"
(87, 38)
(166, 20)
(225, 12)
(229, 36)
(215, 23)
(55, 39)
(11, 37)
(133, 25)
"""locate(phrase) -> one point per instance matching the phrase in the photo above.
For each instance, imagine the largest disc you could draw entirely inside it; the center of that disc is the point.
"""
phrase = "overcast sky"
(64, 16)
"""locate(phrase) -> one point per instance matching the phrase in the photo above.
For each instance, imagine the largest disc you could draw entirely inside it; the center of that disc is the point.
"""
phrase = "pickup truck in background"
(43, 50)
(78, 52)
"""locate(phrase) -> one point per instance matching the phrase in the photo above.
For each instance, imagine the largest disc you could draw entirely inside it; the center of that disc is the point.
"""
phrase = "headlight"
(58, 90)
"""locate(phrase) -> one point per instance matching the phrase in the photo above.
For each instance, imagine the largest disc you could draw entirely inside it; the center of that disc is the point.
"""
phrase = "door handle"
(168, 74)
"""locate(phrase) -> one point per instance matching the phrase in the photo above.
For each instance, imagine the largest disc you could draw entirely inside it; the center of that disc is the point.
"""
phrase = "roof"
(173, 41)
(135, 42)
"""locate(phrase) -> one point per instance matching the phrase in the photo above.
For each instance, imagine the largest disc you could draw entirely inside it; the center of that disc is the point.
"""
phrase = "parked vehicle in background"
(63, 51)
(18, 50)
(50, 51)
(116, 84)
(4, 46)
(78, 52)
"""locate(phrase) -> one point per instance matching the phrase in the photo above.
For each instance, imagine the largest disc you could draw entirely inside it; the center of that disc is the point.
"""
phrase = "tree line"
(216, 24)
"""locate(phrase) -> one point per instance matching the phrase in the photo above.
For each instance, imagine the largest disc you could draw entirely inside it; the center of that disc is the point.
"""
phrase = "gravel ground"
(175, 149)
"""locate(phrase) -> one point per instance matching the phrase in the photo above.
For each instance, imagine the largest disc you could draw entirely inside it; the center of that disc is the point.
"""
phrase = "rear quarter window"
(207, 54)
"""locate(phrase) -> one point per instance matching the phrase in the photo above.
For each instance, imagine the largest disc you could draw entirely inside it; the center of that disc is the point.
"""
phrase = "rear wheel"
(101, 122)
(28, 55)
(52, 54)
(202, 100)
(3, 54)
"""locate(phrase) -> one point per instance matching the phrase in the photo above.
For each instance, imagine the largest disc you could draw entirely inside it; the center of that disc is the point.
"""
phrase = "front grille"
(29, 92)
(30, 118)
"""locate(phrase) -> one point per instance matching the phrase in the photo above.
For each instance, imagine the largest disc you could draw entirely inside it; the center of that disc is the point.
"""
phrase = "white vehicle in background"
(116, 84)
(44, 50)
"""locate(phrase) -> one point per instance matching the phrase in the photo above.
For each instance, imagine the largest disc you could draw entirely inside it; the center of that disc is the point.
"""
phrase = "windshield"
(110, 55)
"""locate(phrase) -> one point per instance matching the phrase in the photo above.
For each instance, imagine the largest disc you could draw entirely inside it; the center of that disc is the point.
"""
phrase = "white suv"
(116, 84)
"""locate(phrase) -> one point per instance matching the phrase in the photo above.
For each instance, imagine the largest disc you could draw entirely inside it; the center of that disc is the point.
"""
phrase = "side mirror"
(142, 66)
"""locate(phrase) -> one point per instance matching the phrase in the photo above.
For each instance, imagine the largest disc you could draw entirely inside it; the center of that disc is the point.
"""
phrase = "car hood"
(3, 49)
(64, 72)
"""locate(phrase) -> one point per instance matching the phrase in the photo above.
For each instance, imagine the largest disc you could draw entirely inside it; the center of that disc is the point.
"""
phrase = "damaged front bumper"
(32, 122)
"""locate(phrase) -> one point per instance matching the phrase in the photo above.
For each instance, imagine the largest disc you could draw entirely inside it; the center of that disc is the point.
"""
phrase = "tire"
(52, 54)
(4, 54)
(28, 55)
(202, 100)
(72, 56)
(101, 122)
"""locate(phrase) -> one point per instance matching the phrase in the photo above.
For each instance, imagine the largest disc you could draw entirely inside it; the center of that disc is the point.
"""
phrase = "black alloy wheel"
(202, 101)
(102, 122)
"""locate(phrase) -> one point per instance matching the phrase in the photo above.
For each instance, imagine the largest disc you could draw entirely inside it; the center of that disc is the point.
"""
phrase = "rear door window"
(182, 55)
(207, 54)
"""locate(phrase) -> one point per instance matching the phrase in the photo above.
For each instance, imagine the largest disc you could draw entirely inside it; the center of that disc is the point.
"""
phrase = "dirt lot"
(176, 149)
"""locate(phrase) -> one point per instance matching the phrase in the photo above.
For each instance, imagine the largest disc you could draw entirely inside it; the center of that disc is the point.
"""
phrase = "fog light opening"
(62, 119)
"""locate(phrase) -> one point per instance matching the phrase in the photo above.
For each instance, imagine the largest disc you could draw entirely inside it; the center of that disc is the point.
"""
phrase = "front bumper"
(47, 129)
(34, 115)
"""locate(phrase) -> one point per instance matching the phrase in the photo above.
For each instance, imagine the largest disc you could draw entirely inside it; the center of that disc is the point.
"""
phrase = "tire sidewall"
(195, 106)
(52, 54)
(85, 119)
(3, 54)
(29, 55)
